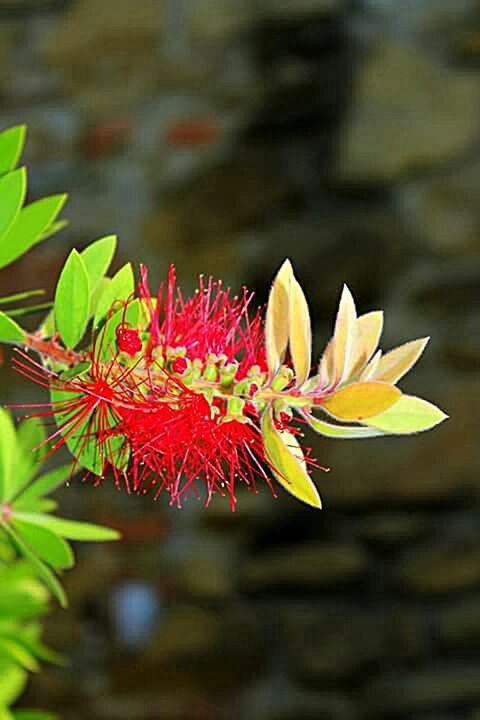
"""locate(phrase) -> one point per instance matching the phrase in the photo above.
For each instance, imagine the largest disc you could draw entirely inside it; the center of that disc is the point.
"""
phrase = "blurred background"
(225, 135)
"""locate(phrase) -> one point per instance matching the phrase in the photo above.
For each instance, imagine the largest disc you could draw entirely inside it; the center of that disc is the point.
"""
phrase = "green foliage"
(34, 549)
(72, 300)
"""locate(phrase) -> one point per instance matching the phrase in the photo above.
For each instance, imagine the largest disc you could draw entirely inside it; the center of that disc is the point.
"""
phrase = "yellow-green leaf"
(370, 328)
(395, 364)
(371, 368)
(341, 432)
(276, 321)
(345, 334)
(287, 462)
(409, 415)
(326, 368)
(8, 451)
(361, 400)
(300, 332)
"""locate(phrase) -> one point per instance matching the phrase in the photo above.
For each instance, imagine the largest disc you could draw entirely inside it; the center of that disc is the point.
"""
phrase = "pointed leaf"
(395, 364)
(17, 297)
(8, 451)
(326, 368)
(97, 258)
(70, 529)
(369, 331)
(53, 229)
(372, 367)
(287, 462)
(12, 195)
(42, 570)
(300, 332)
(12, 683)
(345, 335)
(360, 400)
(11, 146)
(30, 436)
(49, 547)
(15, 651)
(72, 300)
(341, 432)
(276, 321)
(120, 287)
(43, 485)
(28, 227)
(409, 415)
(10, 331)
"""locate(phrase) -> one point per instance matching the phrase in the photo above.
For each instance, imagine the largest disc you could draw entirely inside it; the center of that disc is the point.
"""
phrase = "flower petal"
(361, 400)
(287, 462)
(370, 328)
(409, 415)
(300, 332)
(276, 321)
(395, 364)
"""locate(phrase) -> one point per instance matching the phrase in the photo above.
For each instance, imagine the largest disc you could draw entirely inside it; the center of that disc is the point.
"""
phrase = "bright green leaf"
(121, 287)
(8, 451)
(409, 415)
(287, 463)
(10, 331)
(28, 227)
(12, 195)
(53, 229)
(14, 650)
(70, 529)
(11, 146)
(12, 683)
(97, 258)
(42, 570)
(49, 547)
(72, 300)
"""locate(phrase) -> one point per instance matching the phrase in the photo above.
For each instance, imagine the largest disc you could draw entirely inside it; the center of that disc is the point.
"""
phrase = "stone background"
(225, 135)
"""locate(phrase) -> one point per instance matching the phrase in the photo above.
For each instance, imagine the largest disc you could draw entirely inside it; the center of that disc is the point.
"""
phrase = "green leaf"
(121, 287)
(97, 258)
(43, 485)
(30, 310)
(70, 529)
(10, 331)
(72, 300)
(12, 683)
(53, 229)
(28, 227)
(11, 146)
(341, 432)
(287, 463)
(8, 299)
(14, 650)
(5, 714)
(49, 547)
(42, 570)
(409, 415)
(30, 436)
(12, 195)
(8, 451)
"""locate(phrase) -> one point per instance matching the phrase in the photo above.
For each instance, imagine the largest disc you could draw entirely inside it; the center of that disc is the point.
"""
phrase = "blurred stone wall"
(225, 135)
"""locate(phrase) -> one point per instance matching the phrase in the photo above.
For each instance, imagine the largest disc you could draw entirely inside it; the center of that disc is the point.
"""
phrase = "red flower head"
(179, 394)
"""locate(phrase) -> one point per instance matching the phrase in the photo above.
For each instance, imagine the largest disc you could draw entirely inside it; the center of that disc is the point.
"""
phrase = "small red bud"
(179, 365)
(128, 340)
(253, 388)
